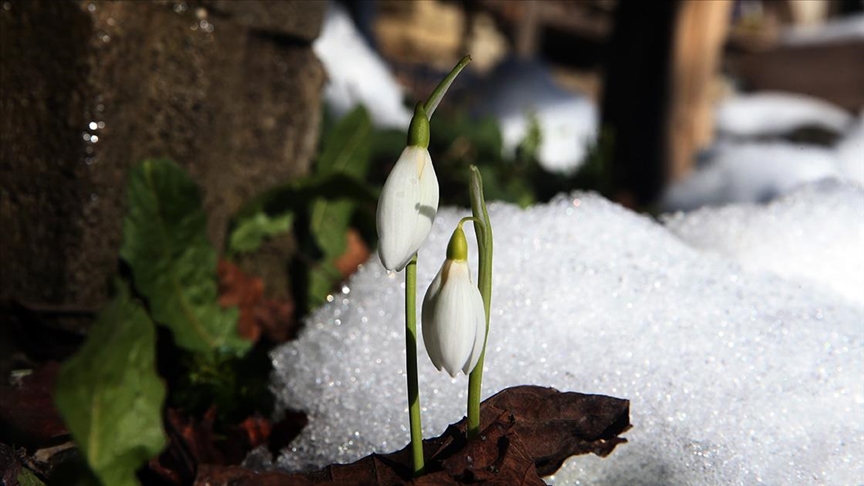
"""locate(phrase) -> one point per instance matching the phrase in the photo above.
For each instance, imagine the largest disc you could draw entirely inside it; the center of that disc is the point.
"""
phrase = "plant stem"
(483, 230)
(411, 365)
(443, 86)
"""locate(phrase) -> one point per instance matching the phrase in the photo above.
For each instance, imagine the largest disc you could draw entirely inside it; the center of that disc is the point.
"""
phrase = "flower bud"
(409, 200)
(453, 316)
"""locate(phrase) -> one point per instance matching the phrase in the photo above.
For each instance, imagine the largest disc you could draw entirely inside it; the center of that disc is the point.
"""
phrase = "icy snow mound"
(773, 113)
(796, 236)
(356, 74)
(521, 91)
(734, 376)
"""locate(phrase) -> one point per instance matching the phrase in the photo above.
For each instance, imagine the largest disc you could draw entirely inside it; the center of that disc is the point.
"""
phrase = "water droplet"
(93, 125)
(94, 138)
(91, 7)
(7, 6)
(180, 7)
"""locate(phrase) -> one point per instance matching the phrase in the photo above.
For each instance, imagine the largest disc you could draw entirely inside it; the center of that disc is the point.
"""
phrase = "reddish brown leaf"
(274, 318)
(527, 432)
(27, 413)
(238, 289)
(356, 252)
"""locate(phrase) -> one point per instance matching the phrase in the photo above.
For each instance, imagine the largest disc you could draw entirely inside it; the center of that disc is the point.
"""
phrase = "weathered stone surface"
(91, 88)
(298, 19)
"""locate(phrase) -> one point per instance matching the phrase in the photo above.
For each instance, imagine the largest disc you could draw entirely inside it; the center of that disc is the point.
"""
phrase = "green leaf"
(110, 395)
(27, 478)
(173, 265)
(347, 151)
(250, 233)
(346, 148)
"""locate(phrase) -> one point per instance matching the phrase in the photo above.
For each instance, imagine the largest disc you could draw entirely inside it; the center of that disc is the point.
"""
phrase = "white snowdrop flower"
(409, 200)
(453, 316)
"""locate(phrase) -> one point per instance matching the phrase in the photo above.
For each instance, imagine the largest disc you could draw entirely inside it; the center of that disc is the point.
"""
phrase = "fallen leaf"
(27, 412)
(527, 432)
(273, 318)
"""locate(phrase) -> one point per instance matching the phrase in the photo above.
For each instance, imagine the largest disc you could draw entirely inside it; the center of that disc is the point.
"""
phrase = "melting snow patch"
(356, 75)
(735, 376)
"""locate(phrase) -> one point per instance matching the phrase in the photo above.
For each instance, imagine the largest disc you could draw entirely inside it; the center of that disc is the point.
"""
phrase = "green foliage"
(110, 396)
(27, 478)
(173, 265)
(251, 233)
(237, 386)
(321, 205)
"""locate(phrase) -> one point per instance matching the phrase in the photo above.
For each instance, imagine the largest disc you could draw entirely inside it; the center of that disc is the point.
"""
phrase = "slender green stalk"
(411, 365)
(443, 86)
(483, 230)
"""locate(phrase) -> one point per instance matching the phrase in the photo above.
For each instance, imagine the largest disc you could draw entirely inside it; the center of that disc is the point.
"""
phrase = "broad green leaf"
(251, 232)
(110, 395)
(173, 265)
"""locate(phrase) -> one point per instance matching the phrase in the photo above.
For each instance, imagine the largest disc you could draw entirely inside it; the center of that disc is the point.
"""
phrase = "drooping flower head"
(409, 200)
(453, 317)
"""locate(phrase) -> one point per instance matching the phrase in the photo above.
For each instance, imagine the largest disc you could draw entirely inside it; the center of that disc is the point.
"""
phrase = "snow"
(842, 29)
(793, 236)
(357, 75)
(742, 357)
(772, 113)
(744, 167)
(751, 172)
(518, 91)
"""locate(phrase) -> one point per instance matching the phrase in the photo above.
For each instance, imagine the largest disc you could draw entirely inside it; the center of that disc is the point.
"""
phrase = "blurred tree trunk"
(635, 105)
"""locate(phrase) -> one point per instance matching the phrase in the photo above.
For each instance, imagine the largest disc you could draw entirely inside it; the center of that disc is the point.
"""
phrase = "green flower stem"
(483, 230)
(411, 365)
(443, 86)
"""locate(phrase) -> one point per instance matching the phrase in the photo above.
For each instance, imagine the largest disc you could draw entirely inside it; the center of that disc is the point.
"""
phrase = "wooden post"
(700, 31)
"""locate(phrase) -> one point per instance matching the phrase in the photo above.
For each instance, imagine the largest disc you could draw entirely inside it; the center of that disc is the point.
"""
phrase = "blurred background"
(659, 106)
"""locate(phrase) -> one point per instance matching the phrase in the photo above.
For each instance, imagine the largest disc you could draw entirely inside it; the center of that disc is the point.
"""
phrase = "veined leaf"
(173, 265)
(110, 395)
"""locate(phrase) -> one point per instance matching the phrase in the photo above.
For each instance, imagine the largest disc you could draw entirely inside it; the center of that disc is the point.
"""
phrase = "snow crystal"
(735, 375)
(356, 74)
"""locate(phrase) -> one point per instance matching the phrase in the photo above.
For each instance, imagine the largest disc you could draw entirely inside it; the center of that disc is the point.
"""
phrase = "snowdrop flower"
(409, 200)
(453, 316)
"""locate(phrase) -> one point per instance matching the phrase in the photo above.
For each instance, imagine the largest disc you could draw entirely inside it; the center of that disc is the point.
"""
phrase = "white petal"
(430, 338)
(450, 317)
(406, 208)
(479, 315)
